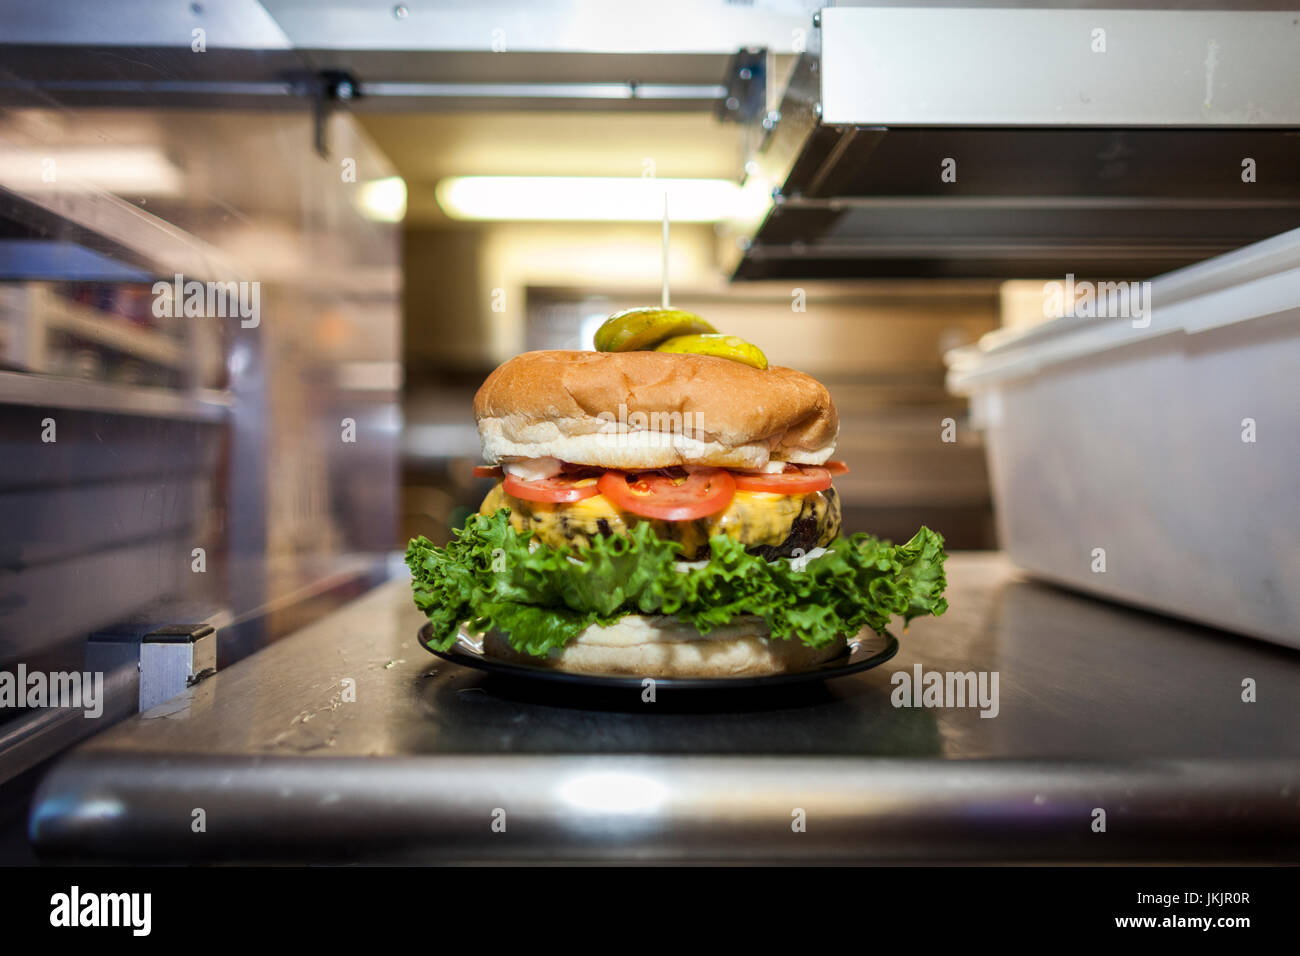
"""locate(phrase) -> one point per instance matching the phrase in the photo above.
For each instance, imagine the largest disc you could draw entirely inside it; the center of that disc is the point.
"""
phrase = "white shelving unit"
(109, 331)
(31, 313)
(33, 310)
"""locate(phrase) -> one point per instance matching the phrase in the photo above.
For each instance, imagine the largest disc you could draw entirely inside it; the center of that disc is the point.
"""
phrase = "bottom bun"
(657, 646)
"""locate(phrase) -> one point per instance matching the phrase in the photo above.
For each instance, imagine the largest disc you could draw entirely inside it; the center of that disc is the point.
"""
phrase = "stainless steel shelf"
(45, 391)
(120, 230)
(1127, 163)
(1092, 713)
(913, 66)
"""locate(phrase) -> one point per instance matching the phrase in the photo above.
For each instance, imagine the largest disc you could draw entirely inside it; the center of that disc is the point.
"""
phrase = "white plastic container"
(1169, 455)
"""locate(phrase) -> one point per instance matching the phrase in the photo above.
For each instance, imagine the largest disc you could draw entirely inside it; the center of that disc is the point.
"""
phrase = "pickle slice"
(723, 346)
(644, 328)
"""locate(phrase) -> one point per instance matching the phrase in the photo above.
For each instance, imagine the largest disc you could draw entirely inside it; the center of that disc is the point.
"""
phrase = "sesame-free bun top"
(652, 410)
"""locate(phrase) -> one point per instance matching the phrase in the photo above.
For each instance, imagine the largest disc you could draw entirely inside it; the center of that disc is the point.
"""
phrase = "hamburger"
(664, 512)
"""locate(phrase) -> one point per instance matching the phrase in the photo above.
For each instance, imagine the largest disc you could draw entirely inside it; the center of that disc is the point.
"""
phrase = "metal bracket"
(174, 658)
(746, 83)
(326, 89)
(168, 659)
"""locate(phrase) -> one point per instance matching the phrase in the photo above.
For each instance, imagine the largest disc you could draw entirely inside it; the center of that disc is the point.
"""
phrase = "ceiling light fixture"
(586, 198)
(383, 200)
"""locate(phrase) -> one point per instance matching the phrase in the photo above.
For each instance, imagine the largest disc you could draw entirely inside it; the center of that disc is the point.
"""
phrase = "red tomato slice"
(702, 493)
(488, 471)
(795, 480)
(836, 467)
(551, 490)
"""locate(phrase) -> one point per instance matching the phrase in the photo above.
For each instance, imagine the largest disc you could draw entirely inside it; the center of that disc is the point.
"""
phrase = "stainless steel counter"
(1100, 708)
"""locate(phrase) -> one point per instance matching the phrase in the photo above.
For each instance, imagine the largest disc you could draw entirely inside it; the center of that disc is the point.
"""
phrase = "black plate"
(865, 651)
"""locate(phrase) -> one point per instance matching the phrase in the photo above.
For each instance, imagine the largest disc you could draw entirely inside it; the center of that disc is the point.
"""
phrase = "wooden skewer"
(664, 298)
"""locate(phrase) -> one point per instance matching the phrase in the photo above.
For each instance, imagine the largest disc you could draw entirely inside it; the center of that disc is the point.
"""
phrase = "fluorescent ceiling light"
(383, 200)
(587, 198)
(122, 170)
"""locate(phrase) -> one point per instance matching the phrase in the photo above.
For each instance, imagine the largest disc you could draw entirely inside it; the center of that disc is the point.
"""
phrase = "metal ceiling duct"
(1001, 143)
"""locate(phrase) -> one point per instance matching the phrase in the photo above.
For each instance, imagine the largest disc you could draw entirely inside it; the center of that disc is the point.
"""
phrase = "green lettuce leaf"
(493, 577)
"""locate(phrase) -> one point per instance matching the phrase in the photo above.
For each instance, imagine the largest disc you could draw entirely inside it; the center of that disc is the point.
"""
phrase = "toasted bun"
(587, 408)
(663, 647)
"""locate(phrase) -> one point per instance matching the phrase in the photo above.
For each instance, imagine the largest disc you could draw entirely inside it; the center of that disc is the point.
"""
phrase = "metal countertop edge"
(133, 808)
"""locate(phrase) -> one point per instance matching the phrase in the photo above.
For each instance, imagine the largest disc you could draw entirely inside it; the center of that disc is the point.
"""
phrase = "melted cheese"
(754, 518)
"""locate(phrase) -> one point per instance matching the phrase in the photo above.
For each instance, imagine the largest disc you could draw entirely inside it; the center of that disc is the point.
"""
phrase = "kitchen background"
(248, 472)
